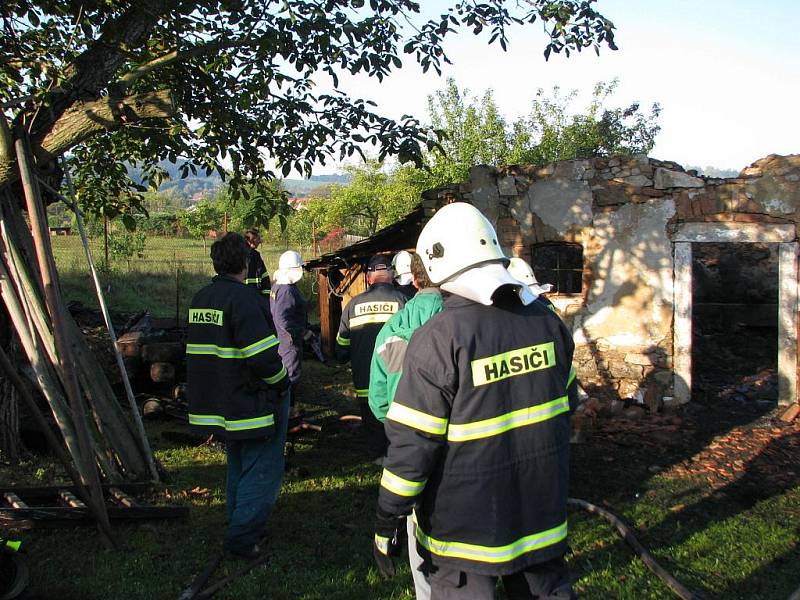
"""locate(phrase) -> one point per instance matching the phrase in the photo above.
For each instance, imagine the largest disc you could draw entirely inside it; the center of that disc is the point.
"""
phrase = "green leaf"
(129, 222)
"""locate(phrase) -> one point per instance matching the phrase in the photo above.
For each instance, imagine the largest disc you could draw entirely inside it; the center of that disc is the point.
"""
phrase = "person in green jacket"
(385, 372)
(392, 341)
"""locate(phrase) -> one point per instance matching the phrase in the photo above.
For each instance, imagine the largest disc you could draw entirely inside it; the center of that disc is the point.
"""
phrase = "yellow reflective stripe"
(252, 280)
(382, 544)
(277, 377)
(417, 419)
(572, 375)
(342, 341)
(266, 293)
(401, 487)
(220, 352)
(357, 322)
(514, 362)
(494, 554)
(362, 393)
(238, 425)
(14, 544)
(463, 432)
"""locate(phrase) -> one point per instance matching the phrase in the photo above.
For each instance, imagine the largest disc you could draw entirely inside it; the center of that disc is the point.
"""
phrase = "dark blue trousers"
(255, 470)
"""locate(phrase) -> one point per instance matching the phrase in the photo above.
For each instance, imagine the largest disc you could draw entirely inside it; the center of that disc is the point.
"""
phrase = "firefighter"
(236, 389)
(479, 427)
(361, 321)
(288, 309)
(386, 370)
(522, 271)
(403, 279)
(257, 275)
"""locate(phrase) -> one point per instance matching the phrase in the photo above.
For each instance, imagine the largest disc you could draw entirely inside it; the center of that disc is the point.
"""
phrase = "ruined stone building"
(666, 278)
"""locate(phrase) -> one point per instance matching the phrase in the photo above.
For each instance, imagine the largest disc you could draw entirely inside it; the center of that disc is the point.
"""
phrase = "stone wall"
(622, 211)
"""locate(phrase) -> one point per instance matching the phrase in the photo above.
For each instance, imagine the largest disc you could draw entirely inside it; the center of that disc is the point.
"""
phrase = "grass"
(163, 281)
(713, 541)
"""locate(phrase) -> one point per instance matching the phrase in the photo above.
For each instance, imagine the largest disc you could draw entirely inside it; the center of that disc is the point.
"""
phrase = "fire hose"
(627, 534)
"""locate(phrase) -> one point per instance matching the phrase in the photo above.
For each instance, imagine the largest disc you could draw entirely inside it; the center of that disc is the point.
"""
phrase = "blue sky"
(726, 73)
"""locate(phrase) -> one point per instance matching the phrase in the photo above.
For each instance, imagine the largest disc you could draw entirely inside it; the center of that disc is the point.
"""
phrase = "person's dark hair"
(419, 273)
(229, 254)
(252, 234)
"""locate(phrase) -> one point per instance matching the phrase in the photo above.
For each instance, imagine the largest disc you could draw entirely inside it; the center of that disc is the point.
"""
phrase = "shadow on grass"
(712, 540)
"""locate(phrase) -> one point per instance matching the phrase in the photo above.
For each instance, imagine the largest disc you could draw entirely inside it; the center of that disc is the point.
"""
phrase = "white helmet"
(401, 263)
(290, 268)
(522, 271)
(290, 260)
(456, 238)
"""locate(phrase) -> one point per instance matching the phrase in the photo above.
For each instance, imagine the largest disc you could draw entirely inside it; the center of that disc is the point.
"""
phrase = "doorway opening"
(735, 300)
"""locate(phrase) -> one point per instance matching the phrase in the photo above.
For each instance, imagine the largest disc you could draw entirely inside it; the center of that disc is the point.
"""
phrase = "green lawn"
(724, 543)
(162, 281)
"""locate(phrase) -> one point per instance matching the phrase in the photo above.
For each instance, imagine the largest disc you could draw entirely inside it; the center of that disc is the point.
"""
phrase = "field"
(729, 537)
(162, 281)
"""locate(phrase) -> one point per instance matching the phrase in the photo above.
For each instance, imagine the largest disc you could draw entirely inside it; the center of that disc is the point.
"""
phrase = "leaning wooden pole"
(11, 373)
(137, 417)
(88, 469)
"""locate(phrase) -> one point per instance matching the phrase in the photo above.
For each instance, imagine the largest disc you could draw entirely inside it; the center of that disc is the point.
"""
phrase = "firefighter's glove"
(390, 537)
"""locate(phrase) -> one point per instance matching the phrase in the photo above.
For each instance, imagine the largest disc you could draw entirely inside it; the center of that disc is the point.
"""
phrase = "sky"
(725, 72)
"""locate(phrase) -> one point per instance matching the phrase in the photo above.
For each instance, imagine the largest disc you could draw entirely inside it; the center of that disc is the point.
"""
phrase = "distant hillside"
(713, 171)
(185, 188)
(200, 183)
(302, 187)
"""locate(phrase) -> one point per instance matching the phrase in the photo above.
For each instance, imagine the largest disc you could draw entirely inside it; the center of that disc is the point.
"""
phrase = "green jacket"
(390, 348)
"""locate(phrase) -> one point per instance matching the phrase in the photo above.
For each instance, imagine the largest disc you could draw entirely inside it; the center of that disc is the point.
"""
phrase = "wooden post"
(314, 239)
(330, 311)
(105, 241)
(44, 256)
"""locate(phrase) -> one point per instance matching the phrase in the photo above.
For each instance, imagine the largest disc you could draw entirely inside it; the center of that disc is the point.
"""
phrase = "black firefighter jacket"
(479, 436)
(257, 275)
(234, 373)
(361, 321)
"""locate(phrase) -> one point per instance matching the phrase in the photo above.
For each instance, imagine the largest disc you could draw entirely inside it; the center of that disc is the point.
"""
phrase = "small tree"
(199, 220)
(126, 245)
(374, 197)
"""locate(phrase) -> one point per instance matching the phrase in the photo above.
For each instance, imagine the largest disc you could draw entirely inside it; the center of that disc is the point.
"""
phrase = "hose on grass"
(627, 534)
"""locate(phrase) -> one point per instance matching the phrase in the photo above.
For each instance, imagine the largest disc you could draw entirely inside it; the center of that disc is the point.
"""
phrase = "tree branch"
(6, 141)
(127, 80)
(84, 119)
(93, 69)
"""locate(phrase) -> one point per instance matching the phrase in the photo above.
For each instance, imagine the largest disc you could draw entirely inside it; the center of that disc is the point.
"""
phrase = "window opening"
(559, 264)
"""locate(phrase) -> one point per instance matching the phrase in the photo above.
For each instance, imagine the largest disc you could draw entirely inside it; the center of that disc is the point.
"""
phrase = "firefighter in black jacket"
(361, 321)
(257, 274)
(235, 383)
(479, 427)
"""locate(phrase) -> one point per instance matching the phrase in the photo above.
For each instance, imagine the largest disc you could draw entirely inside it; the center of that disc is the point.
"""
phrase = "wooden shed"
(342, 274)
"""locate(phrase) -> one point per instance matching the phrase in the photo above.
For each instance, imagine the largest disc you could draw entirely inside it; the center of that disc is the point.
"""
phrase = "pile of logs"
(152, 355)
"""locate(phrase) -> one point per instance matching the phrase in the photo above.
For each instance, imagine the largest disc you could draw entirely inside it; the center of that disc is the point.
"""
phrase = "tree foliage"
(200, 219)
(212, 84)
(374, 198)
(476, 133)
(255, 205)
